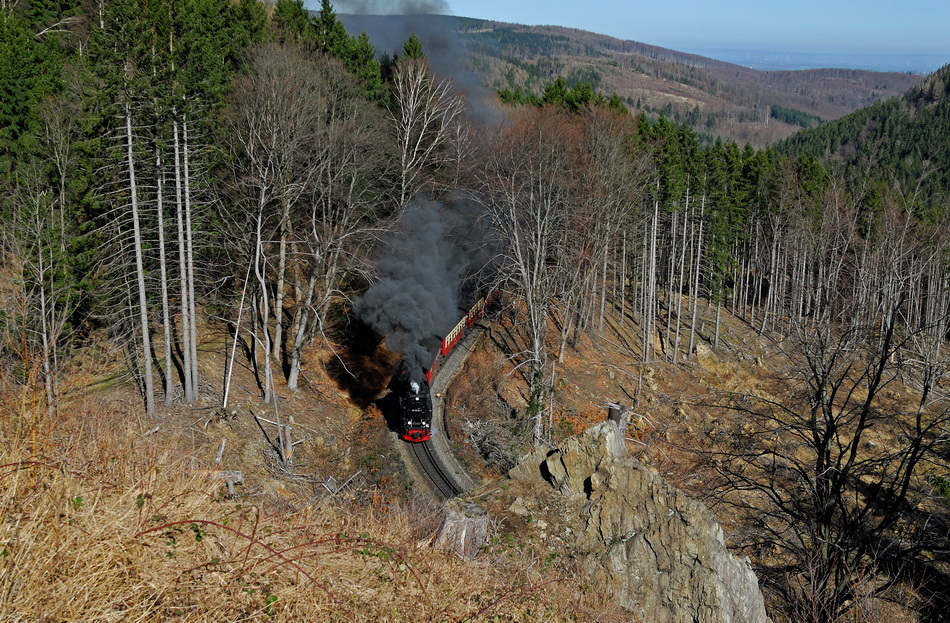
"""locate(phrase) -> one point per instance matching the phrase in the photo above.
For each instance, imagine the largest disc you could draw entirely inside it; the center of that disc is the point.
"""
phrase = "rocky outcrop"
(660, 552)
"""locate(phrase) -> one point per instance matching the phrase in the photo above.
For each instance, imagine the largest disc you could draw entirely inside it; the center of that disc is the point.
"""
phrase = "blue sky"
(839, 26)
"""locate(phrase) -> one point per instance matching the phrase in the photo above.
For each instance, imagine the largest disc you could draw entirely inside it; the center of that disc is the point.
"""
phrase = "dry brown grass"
(99, 524)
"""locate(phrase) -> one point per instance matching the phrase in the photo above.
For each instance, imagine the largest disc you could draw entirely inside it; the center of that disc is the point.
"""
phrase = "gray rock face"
(661, 553)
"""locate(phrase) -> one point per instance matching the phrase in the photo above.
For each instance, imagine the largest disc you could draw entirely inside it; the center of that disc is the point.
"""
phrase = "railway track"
(425, 455)
(434, 465)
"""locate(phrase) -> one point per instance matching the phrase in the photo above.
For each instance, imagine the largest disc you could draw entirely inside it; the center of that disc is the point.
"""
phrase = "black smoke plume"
(416, 300)
(390, 24)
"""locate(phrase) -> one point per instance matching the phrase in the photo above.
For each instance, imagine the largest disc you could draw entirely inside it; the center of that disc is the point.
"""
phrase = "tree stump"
(464, 529)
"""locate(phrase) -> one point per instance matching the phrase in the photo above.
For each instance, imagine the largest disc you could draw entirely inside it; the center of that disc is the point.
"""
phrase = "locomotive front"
(415, 408)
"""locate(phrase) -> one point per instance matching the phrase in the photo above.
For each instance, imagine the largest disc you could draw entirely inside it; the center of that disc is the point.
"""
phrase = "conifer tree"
(412, 48)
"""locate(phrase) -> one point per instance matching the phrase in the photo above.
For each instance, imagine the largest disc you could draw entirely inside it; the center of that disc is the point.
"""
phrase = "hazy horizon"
(781, 60)
(874, 34)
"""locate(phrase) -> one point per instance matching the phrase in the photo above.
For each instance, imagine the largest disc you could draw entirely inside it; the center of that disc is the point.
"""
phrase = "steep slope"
(901, 141)
(717, 99)
(662, 554)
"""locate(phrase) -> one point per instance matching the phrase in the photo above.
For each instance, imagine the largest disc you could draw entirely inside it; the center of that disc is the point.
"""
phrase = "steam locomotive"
(415, 406)
(415, 401)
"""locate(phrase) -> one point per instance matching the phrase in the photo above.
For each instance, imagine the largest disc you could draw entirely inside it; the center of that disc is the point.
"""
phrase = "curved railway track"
(432, 468)
(434, 465)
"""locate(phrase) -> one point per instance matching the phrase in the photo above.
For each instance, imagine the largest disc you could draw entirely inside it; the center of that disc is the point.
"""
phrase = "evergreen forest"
(898, 142)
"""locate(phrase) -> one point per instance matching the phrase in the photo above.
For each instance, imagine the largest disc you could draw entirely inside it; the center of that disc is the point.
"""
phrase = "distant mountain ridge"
(777, 60)
(717, 99)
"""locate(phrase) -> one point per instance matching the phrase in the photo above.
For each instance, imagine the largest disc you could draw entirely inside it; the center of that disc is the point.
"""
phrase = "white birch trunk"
(237, 333)
(300, 334)
(281, 279)
(260, 273)
(45, 332)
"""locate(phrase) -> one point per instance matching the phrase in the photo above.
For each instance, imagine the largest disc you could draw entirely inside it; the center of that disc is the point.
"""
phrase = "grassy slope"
(105, 516)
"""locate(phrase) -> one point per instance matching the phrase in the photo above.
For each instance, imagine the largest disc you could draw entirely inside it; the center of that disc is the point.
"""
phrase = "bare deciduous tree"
(425, 117)
(828, 471)
(345, 201)
(36, 298)
(310, 164)
(527, 187)
(274, 116)
(611, 185)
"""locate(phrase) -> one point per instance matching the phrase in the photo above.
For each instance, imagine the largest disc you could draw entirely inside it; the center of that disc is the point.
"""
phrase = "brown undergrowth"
(99, 522)
(681, 415)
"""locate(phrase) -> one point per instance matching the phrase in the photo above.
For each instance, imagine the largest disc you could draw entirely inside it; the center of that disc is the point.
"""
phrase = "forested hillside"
(902, 142)
(193, 179)
(715, 99)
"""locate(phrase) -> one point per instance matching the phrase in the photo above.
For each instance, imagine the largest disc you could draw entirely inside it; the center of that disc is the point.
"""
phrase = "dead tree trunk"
(148, 386)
